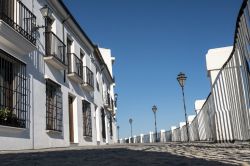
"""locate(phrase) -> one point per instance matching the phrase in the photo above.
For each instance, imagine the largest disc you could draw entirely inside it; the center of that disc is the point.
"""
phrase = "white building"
(56, 86)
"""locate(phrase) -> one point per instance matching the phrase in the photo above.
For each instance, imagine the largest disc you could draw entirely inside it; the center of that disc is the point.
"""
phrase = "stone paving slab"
(132, 155)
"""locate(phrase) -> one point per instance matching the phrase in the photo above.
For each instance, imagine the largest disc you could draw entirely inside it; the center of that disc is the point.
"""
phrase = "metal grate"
(75, 65)
(88, 76)
(54, 113)
(87, 123)
(55, 47)
(14, 92)
(19, 17)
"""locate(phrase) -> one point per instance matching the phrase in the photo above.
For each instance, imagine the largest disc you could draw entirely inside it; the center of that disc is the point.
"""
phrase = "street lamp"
(181, 79)
(130, 122)
(46, 11)
(154, 109)
(116, 96)
(118, 127)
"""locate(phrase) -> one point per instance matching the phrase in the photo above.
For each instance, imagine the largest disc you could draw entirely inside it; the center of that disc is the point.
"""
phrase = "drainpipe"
(33, 114)
(64, 71)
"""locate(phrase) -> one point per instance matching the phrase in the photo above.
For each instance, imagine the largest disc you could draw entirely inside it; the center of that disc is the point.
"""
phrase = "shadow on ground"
(100, 157)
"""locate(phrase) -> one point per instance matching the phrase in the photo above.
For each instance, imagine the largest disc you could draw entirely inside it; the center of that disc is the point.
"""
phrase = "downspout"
(33, 114)
(32, 100)
(64, 71)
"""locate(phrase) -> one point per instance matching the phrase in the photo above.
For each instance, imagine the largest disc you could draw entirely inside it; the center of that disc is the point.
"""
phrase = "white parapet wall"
(215, 59)
(191, 118)
(151, 137)
(163, 138)
(182, 124)
(135, 140)
(198, 105)
(142, 135)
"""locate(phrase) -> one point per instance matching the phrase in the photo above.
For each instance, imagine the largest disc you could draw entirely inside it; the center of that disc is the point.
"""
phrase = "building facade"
(56, 85)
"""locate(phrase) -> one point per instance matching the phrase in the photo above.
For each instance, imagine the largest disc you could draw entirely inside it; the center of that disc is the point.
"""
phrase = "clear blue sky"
(153, 40)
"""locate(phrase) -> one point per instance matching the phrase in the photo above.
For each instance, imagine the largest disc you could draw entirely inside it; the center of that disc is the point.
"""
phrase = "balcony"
(107, 101)
(75, 70)
(112, 105)
(16, 24)
(88, 79)
(55, 51)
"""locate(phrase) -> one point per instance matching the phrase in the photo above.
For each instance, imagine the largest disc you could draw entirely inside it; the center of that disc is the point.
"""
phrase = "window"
(87, 122)
(69, 45)
(53, 106)
(97, 81)
(14, 88)
(110, 125)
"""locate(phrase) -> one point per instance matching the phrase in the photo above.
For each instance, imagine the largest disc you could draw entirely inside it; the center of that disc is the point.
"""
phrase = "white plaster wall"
(107, 57)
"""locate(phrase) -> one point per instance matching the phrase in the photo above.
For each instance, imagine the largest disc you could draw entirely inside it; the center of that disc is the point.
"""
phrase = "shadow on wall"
(102, 157)
(16, 133)
(55, 135)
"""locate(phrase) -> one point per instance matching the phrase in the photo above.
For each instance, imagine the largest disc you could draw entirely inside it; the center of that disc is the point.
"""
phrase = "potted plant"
(4, 113)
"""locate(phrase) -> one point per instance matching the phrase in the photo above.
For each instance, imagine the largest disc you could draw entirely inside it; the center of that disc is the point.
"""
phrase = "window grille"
(54, 113)
(14, 92)
(87, 121)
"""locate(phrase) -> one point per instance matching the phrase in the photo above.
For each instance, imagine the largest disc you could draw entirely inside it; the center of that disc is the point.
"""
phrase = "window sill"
(53, 131)
(12, 128)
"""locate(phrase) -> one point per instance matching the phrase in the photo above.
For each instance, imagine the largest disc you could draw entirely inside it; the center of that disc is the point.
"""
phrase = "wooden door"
(71, 120)
(103, 124)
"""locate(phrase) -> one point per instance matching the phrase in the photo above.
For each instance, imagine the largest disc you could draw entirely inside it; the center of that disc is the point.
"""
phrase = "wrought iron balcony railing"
(107, 99)
(75, 65)
(55, 47)
(88, 77)
(19, 17)
(112, 104)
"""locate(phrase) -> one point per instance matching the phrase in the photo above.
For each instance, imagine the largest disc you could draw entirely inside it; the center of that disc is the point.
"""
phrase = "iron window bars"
(14, 92)
(19, 17)
(107, 99)
(87, 121)
(54, 113)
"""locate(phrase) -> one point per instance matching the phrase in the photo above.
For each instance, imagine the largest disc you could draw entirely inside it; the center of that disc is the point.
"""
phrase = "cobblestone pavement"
(133, 155)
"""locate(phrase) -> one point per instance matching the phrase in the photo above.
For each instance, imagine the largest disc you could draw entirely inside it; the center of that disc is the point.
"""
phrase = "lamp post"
(118, 127)
(181, 78)
(130, 122)
(154, 109)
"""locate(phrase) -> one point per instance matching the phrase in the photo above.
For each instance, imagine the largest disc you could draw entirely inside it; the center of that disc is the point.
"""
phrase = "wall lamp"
(47, 13)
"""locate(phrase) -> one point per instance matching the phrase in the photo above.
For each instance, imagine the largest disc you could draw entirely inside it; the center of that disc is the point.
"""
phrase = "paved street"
(138, 154)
